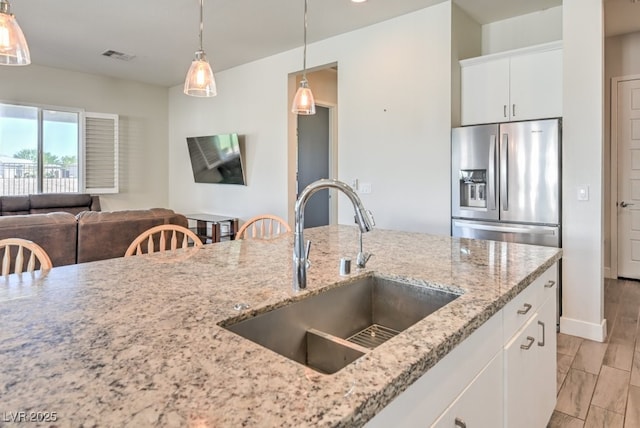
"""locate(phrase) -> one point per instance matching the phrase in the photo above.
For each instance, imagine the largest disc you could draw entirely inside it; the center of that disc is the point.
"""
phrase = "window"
(51, 150)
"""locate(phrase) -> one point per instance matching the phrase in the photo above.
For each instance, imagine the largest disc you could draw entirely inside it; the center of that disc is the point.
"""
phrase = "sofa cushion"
(73, 203)
(55, 232)
(15, 205)
(108, 234)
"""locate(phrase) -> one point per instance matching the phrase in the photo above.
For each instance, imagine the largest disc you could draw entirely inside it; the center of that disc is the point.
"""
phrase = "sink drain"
(373, 336)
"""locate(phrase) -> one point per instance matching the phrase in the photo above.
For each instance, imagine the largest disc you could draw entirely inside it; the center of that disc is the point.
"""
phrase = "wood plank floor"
(599, 383)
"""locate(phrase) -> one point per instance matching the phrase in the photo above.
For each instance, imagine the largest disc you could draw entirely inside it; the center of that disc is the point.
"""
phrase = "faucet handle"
(306, 253)
(373, 220)
(362, 259)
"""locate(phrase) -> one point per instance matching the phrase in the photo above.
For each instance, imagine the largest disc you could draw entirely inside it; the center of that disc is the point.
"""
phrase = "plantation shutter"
(100, 153)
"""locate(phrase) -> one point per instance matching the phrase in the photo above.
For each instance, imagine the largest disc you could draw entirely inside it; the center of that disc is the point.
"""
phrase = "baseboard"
(607, 273)
(587, 330)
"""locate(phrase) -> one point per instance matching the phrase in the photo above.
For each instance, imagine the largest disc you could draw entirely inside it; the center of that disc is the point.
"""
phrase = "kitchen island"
(137, 342)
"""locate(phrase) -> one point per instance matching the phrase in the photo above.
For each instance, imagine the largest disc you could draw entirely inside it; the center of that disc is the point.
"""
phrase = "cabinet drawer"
(524, 305)
(422, 402)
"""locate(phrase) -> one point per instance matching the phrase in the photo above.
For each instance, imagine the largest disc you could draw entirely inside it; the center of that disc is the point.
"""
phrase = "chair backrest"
(164, 237)
(263, 227)
(36, 254)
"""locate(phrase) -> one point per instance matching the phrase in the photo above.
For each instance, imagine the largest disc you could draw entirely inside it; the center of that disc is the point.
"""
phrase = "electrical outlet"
(365, 188)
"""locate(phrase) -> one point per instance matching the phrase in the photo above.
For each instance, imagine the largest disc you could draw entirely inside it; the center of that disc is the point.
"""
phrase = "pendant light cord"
(304, 55)
(201, 24)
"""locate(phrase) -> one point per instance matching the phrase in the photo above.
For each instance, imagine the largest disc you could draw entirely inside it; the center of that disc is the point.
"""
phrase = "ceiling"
(163, 34)
(621, 17)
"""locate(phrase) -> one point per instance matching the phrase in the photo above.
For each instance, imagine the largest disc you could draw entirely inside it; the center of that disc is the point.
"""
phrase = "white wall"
(394, 124)
(394, 93)
(526, 30)
(143, 123)
(252, 101)
(466, 42)
(583, 120)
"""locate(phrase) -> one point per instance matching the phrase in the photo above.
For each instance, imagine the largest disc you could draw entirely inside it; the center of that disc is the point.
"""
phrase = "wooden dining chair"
(36, 256)
(165, 237)
(263, 226)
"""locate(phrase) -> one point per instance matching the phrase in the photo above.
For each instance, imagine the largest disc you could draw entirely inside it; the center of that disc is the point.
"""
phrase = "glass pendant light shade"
(200, 81)
(13, 46)
(303, 102)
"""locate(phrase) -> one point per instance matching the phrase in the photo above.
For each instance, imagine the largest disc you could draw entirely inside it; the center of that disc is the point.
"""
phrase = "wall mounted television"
(216, 159)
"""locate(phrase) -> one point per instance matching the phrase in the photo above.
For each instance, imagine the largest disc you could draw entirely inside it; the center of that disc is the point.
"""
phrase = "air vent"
(118, 55)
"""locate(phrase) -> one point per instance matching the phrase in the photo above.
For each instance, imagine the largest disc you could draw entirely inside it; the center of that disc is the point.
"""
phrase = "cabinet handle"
(514, 110)
(543, 340)
(460, 423)
(527, 308)
(530, 341)
(504, 110)
(550, 284)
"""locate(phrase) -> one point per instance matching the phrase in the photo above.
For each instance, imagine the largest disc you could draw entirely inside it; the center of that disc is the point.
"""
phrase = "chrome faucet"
(300, 251)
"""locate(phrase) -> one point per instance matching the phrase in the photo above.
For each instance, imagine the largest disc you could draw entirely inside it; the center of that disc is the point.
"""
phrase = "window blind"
(101, 152)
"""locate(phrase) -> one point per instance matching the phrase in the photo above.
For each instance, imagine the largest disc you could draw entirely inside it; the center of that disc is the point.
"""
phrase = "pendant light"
(200, 81)
(303, 102)
(13, 46)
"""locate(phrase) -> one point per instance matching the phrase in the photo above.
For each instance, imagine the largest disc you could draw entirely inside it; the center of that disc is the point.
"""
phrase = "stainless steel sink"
(328, 331)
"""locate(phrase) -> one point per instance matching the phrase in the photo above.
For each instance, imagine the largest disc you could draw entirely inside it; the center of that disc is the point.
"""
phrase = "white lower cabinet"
(424, 401)
(520, 377)
(530, 369)
(480, 404)
(547, 362)
(503, 375)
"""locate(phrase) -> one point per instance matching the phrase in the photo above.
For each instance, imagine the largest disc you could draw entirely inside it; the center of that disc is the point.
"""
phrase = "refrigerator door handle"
(504, 172)
(491, 188)
(506, 229)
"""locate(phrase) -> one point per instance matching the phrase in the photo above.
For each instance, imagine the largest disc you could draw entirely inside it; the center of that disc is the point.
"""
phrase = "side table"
(204, 220)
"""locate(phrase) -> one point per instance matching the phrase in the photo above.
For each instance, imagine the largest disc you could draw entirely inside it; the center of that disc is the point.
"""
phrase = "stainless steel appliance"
(506, 183)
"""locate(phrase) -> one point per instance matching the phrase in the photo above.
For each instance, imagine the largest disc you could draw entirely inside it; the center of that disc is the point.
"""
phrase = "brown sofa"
(55, 232)
(72, 203)
(70, 232)
(106, 235)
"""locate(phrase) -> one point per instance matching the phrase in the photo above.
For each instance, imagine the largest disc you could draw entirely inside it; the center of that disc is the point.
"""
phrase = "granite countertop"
(136, 341)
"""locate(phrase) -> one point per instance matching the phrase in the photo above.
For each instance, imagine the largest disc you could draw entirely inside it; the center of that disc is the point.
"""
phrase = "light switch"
(583, 193)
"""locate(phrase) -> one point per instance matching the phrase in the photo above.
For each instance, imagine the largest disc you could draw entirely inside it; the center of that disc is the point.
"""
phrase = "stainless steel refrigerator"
(506, 182)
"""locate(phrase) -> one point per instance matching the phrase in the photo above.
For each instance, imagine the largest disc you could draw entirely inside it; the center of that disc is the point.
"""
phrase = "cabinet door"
(536, 85)
(546, 368)
(485, 92)
(480, 404)
(530, 370)
(520, 366)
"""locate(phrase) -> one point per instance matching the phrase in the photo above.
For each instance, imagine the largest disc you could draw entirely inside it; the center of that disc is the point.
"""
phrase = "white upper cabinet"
(516, 85)
(485, 92)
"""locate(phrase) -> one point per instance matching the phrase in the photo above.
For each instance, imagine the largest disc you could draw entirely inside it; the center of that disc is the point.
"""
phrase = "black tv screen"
(216, 159)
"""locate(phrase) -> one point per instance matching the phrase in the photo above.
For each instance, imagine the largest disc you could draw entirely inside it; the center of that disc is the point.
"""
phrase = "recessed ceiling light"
(358, 1)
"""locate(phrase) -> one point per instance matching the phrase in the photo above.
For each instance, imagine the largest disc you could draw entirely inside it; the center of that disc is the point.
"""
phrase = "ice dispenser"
(473, 188)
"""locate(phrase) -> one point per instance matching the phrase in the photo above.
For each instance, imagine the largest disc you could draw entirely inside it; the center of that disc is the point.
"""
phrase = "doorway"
(313, 164)
(313, 146)
(625, 204)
